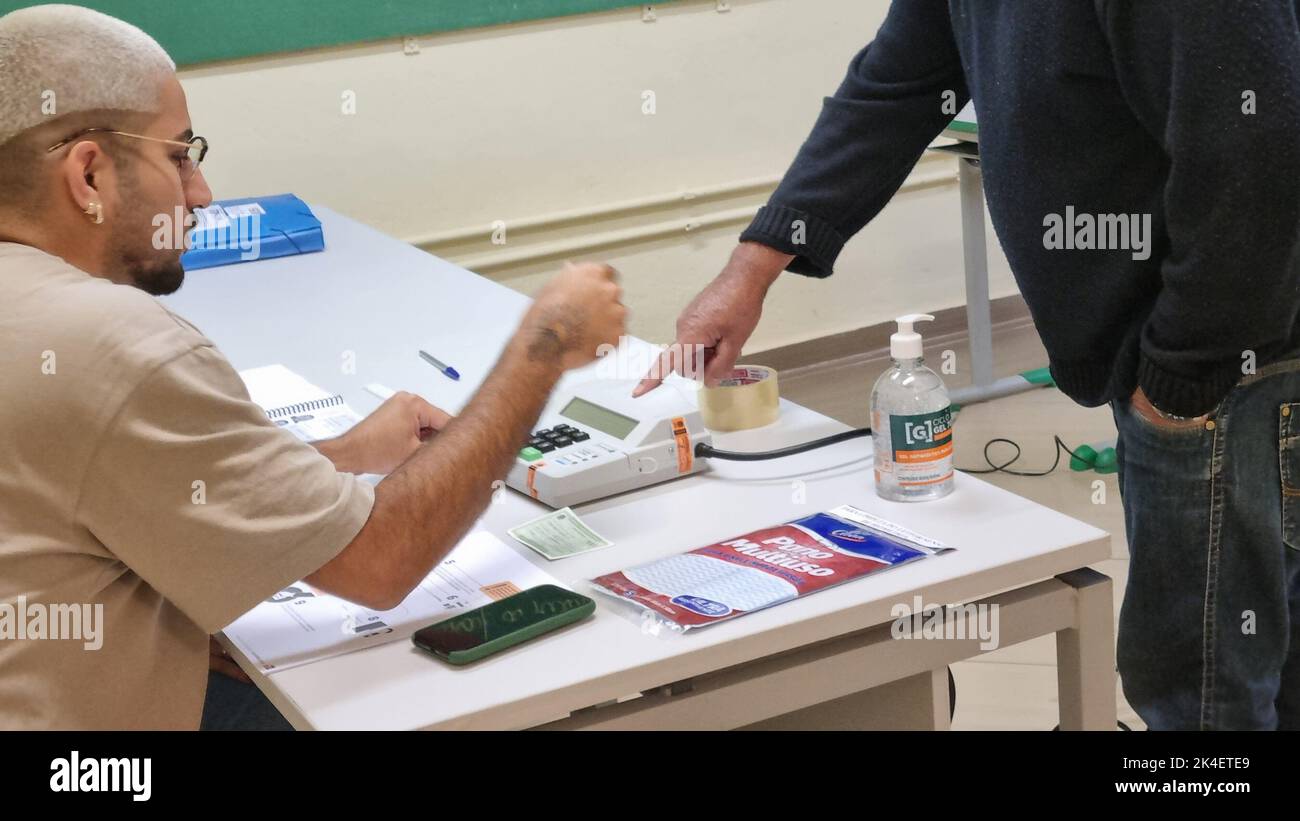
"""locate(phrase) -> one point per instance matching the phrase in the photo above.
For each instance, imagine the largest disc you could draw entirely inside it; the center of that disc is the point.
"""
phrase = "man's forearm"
(429, 503)
(340, 452)
(755, 265)
(871, 132)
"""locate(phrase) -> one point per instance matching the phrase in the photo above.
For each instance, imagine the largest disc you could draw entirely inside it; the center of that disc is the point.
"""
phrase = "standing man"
(1181, 123)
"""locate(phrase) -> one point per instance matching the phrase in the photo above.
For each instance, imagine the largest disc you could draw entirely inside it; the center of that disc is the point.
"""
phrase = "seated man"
(113, 407)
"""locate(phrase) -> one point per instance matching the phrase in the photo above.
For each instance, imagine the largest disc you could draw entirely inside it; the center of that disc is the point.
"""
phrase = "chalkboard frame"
(204, 31)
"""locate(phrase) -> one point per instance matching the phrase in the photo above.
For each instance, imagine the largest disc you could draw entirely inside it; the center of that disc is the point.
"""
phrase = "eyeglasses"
(187, 162)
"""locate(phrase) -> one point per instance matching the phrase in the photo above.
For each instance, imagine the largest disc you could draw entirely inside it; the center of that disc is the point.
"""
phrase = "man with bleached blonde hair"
(113, 407)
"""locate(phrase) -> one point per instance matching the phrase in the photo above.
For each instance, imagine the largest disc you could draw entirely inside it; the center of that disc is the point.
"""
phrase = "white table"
(374, 301)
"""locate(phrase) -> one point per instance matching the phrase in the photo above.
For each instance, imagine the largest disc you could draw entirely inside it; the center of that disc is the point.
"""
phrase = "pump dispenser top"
(906, 343)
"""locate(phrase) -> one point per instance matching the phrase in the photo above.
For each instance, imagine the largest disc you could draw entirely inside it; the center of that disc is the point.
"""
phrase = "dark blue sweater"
(1101, 107)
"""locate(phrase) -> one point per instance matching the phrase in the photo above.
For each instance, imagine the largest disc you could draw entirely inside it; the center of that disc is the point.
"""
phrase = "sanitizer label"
(920, 448)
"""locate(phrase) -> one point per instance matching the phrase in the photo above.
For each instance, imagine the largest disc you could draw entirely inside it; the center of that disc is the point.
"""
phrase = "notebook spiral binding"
(305, 407)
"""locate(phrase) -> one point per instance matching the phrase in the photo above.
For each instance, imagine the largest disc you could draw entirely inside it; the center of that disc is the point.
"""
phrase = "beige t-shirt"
(112, 411)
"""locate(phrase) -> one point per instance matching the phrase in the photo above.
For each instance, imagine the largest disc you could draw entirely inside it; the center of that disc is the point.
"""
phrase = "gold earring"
(96, 212)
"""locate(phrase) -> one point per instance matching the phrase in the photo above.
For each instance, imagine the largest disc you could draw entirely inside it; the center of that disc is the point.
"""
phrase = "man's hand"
(386, 438)
(219, 661)
(1147, 411)
(722, 317)
(575, 314)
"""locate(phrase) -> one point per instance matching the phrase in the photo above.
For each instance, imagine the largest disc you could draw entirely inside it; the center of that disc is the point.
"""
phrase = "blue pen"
(447, 370)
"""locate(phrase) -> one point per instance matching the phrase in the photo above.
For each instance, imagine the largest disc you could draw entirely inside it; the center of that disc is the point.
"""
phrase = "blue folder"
(245, 230)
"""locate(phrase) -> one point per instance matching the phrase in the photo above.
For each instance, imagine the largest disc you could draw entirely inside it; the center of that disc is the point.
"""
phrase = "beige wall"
(541, 126)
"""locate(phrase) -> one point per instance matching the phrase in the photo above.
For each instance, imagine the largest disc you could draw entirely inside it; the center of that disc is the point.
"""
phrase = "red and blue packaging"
(767, 567)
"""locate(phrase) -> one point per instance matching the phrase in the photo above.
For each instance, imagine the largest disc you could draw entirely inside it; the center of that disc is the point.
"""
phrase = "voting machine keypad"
(546, 441)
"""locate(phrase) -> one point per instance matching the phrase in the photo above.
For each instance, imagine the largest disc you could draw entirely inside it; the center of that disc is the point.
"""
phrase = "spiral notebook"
(297, 405)
(300, 624)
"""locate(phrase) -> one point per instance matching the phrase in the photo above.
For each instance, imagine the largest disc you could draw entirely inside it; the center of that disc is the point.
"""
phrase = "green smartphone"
(494, 627)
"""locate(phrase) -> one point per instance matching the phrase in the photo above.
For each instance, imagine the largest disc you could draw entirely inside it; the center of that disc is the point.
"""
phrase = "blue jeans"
(234, 705)
(1209, 632)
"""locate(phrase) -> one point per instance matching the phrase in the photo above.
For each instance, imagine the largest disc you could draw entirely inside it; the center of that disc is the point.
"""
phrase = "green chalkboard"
(201, 31)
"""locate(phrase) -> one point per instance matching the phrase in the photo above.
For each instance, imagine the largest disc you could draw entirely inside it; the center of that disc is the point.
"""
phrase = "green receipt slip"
(558, 534)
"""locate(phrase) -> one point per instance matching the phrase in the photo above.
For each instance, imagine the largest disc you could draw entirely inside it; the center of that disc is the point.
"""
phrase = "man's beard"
(155, 276)
(132, 252)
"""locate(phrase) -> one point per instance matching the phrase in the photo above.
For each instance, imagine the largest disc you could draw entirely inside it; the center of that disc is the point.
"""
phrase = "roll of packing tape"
(747, 398)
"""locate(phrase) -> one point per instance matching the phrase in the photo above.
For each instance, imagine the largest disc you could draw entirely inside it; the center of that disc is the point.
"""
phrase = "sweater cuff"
(814, 243)
(1180, 396)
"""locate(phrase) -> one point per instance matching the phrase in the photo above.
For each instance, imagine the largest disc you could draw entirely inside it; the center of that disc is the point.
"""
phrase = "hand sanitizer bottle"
(911, 423)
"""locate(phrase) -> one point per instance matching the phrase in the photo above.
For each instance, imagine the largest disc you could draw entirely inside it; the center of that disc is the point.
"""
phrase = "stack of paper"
(300, 625)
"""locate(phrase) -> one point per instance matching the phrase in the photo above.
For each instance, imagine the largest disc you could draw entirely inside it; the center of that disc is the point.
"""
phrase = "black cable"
(707, 451)
(1004, 467)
